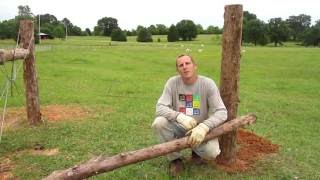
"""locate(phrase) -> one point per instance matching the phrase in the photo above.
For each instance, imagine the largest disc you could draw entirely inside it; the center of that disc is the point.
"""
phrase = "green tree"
(213, 30)
(312, 35)
(187, 30)
(247, 16)
(98, 31)
(144, 35)
(59, 32)
(74, 31)
(200, 29)
(118, 35)
(8, 29)
(67, 23)
(24, 12)
(88, 32)
(133, 32)
(107, 24)
(173, 34)
(47, 18)
(153, 30)
(298, 25)
(139, 28)
(255, 32)
(48, 29)
(278, 31)
(51, 25)
(162, 29)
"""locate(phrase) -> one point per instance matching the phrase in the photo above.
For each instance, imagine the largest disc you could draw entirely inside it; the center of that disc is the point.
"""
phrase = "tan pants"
(168, 130)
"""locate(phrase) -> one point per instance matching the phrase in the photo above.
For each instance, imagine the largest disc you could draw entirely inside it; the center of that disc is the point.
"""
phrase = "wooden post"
(229, 78)
(29, 73)
(103, 164)
(10, 55)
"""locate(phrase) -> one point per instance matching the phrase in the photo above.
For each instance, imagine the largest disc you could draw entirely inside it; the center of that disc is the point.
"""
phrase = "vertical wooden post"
(29, 73)
(229, 78)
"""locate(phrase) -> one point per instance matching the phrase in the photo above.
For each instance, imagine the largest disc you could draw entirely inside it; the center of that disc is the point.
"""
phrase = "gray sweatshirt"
(200, 100)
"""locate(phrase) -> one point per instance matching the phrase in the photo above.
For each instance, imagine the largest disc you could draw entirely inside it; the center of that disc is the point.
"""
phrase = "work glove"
(187, 122)
(197, 134)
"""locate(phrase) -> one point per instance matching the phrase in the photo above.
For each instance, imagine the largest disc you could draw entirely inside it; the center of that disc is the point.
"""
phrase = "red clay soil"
(15, 116)
(5, 169)
(250, 149)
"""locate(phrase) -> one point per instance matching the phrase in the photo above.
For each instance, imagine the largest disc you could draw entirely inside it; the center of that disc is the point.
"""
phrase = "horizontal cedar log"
(103, 164)
(9, 55)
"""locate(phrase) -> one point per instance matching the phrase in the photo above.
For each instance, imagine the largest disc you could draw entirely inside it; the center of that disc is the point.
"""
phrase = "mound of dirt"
(250, 149)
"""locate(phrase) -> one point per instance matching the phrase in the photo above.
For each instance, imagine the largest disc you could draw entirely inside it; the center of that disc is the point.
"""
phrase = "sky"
(131, 13)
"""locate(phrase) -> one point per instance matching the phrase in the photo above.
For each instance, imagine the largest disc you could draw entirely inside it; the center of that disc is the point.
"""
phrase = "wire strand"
(4, 110)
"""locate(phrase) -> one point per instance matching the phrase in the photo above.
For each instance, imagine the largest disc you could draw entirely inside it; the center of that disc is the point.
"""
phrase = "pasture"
(116, 86)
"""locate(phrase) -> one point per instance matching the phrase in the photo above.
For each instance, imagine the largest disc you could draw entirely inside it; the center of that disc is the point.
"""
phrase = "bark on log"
(230, 71)
(15, 54)
(30, 73)
(103, 164)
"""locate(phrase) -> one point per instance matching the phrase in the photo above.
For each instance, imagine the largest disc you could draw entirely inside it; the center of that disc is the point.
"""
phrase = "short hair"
(181, 55)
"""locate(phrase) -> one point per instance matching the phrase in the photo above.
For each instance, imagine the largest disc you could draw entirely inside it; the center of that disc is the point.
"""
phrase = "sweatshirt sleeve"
(217, 110)
(164, 105)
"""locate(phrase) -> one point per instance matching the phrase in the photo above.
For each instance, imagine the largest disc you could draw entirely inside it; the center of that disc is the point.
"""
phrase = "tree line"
(255, 31)
(295, 28)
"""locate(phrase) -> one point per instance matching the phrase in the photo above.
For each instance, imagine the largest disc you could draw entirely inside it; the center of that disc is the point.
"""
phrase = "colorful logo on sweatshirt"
(189, 104)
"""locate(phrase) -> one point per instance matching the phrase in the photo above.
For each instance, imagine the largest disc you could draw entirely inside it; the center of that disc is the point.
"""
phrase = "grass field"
(121, 82)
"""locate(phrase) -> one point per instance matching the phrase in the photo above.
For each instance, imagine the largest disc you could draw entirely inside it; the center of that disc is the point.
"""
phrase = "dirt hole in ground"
(17, 116)
(250, 149)
(45, 152)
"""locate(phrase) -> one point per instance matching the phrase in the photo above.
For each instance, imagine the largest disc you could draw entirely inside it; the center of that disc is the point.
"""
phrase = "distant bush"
(144, 35)
(187, 30)
(173, 34)
(118, 35)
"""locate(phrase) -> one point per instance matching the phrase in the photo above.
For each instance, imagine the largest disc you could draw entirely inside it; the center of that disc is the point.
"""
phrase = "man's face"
(186, 68)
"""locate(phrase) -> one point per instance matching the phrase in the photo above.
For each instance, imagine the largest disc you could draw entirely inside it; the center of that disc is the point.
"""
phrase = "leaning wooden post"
(29, 73)
(229, 78)
(101, 164)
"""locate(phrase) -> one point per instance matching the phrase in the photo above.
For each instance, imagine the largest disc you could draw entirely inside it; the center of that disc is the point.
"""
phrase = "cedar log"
(30, 73)
(10, 55)
(101, 164)
(229, 78)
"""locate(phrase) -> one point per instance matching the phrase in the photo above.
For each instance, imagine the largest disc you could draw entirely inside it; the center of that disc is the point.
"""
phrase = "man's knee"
(212, 154)
(212, 150)
(159, 123)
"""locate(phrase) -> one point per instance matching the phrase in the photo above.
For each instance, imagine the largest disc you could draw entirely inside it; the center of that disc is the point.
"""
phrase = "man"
(189, 103)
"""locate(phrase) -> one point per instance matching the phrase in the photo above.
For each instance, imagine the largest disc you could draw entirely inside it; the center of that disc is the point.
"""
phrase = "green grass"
(280, 84)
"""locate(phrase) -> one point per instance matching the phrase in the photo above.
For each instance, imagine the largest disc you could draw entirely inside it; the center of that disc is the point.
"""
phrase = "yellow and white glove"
(186, 121)
(197, 134)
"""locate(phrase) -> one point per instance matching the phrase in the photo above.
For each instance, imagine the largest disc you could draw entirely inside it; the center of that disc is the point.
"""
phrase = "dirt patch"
(5, 168)
(250, 148)
(46, 152)
(60, 112)
(17, 116)
(6, 164)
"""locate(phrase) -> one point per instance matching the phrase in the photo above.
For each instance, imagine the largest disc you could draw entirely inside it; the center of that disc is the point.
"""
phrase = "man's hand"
(186, 121)
(197, 134)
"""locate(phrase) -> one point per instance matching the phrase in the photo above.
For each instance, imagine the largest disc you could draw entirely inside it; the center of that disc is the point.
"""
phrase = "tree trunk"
(230, 70)
(102, 164)
(29, 73)
(10, 55)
